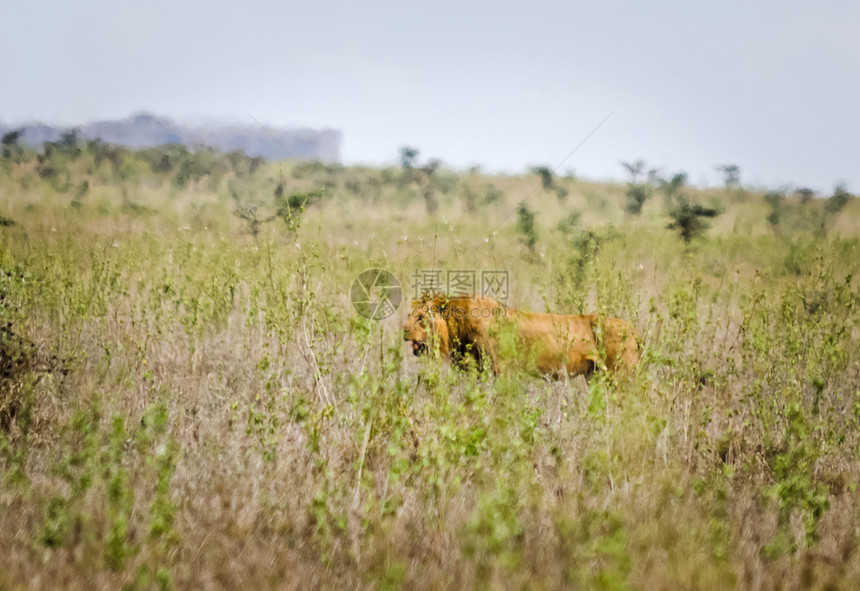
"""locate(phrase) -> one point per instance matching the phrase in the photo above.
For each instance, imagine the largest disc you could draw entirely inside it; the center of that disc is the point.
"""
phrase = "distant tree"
(430, 169)
(69, 143)
(46, 167)
(11, 149)
(116, 156)
(834, 204)
(194, 166)
(637, 195)
(163, 165)
(408, 158)
(548, 182)
(546, 179)
(425, 176)
(97, 149)
(731, 175)
(69, 139)
(11, 138)
(776, 200)
(526, 227)
(838, 200)
(653, 176)
(805, 194)
(240, 163)
(690, 220)
(408, 155)
(634, 169)
(637, 192)
(672, 187)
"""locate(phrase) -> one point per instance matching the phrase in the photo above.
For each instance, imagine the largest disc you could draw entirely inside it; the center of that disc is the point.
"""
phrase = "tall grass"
(187, 405)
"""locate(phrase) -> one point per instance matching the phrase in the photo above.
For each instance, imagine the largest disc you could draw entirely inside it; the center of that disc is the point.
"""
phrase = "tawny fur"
(481, 331)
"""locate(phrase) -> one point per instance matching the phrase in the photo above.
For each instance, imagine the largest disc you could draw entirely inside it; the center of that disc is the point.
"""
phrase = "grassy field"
(188, 399)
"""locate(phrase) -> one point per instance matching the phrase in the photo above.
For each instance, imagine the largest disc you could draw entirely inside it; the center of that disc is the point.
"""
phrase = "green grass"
(184, 404)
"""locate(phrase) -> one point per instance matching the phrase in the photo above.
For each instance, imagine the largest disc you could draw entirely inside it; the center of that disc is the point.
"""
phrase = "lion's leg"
(580, 365)
(589, 372)
(485, 360)
(494, 366)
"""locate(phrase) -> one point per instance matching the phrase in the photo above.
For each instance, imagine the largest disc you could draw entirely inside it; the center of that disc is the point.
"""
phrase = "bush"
(526, 227)
(689, 220)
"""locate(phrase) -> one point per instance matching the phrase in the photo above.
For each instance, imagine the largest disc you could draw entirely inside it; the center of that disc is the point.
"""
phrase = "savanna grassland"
(188, 399)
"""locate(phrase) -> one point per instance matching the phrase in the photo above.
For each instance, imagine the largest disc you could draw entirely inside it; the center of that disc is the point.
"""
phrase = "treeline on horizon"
(72, 164)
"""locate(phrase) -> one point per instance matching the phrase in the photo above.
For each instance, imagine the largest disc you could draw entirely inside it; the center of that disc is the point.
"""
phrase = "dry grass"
(205, 410)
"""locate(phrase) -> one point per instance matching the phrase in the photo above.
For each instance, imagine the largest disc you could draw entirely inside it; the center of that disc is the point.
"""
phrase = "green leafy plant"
(689, 220)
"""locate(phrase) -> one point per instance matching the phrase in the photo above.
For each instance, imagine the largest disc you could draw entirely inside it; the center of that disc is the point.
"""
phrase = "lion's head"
(456, 325)
(425, 327)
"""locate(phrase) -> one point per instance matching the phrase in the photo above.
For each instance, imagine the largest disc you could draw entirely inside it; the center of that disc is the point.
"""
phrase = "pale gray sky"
(773, 86)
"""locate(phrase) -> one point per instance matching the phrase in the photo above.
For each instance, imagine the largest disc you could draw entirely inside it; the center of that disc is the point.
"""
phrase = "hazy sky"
(773, 86)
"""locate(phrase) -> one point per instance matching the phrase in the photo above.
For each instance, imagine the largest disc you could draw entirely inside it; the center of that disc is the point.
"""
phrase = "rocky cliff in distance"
(146, 130)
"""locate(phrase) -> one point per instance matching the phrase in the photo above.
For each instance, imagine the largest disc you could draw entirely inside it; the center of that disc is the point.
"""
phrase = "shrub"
(689, 220)
(526, 227)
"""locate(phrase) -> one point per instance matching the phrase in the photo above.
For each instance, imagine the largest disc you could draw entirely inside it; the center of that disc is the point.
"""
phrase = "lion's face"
(422, 327)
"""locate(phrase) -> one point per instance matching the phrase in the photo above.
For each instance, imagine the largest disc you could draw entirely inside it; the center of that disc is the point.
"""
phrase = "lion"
(481, 331)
